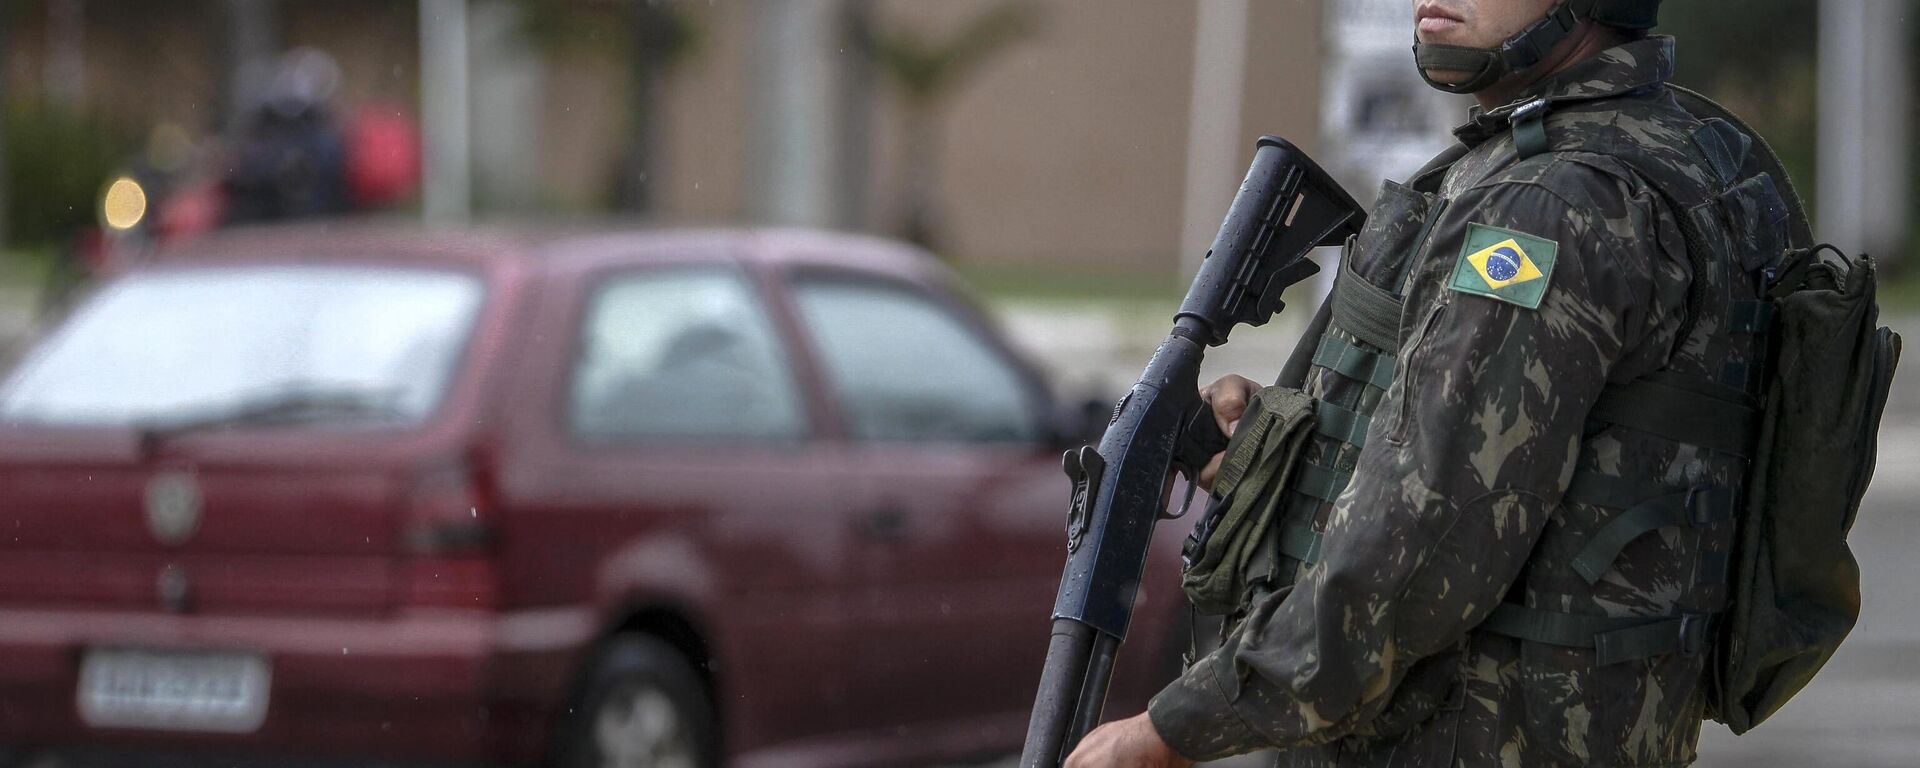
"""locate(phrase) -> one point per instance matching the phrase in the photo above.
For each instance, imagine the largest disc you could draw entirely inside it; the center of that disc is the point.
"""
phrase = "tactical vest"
(1733, 220)
(1734, 224)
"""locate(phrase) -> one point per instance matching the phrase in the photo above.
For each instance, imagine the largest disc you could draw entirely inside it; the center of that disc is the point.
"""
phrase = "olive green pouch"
(1795, 583)
(1251, 488)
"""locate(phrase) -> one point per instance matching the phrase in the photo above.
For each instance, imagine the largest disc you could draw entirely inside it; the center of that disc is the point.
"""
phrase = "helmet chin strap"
(1488, 65)
(1485, 66)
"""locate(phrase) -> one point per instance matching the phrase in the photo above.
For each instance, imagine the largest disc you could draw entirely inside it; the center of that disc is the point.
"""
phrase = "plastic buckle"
(1527, 110)
(1564, 16)
(1520, 53)
(1524, 49)
(1700, 499)
(1693, 634)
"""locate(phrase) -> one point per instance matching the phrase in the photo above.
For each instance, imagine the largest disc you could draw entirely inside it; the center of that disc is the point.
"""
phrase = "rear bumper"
(442, 684)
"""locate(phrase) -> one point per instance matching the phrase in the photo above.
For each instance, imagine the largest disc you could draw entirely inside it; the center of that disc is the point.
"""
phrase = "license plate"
(174, 690)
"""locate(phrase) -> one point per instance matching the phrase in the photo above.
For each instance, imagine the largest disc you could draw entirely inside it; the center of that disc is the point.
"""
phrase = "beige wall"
(1069, 147)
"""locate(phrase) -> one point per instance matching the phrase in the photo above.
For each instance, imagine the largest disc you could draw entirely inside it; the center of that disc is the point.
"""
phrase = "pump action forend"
(1286, 207)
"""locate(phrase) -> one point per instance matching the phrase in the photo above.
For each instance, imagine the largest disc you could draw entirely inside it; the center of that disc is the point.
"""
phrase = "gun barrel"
(1061, 681)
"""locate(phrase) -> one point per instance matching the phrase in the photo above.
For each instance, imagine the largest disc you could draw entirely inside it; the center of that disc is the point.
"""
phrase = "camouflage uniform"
(1376, 654)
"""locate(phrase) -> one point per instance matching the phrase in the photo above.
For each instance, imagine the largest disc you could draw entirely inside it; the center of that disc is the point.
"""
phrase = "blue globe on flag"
(1503, 264)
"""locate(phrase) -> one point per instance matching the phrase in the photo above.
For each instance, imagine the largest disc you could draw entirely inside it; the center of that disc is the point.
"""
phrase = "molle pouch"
(1795, 583)
(1399, 222)
(1368, 293)
(1250, 492)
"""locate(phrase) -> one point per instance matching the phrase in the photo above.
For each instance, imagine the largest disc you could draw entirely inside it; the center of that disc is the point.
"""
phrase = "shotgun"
(1286, 207)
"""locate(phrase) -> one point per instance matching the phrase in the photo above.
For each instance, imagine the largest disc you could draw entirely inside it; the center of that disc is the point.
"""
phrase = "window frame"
(1036, 398)
(594, 285)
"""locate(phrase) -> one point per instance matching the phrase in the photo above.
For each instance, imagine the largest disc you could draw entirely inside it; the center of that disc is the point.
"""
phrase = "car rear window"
(171, 346)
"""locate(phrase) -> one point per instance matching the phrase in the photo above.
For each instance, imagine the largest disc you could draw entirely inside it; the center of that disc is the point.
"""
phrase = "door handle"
(886, 523)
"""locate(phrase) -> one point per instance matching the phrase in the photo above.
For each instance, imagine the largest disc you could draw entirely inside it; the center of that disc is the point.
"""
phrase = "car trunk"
(246, 438)
(98, 525)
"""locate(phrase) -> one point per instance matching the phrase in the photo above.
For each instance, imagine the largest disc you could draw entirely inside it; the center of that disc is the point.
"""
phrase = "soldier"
(1497, 554)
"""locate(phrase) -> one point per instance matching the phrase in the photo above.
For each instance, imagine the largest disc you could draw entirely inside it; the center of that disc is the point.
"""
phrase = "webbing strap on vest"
(1683, 414)
(1370, 368)
(1365, 310)
(1644, 514)
(1749, 316)
(1300, 542)
(1340, 424)
(1745, 377)
(1530, 129)
(1323, 483)
(1613, 639)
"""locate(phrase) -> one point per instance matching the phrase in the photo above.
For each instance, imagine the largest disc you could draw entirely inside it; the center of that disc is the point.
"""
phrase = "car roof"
(555, 249)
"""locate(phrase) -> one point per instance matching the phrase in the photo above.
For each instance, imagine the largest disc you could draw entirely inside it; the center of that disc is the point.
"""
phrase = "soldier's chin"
(1449, 76)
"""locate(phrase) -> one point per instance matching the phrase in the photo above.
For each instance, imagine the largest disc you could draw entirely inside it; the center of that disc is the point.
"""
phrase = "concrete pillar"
(250, 48)
(1216, 159)
(792, 175)
(1864, 125)
(856, 116)
(506, 87)
(445, 113)
(66, 70)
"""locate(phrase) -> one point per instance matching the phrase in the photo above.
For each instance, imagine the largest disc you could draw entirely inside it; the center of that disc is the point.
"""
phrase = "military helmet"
(1527, 48)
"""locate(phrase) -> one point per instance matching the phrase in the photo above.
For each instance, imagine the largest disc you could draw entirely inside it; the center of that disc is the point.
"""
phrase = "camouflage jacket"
(1530, 284)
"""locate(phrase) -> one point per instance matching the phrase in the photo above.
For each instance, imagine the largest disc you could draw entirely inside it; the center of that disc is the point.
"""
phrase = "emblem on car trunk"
(174, 589)
(173, 507)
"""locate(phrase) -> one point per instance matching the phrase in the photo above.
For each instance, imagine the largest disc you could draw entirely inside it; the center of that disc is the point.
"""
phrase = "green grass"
(25, 273)
(1048, 283)
(1902, 294)
(1156, 296)
(25, 268)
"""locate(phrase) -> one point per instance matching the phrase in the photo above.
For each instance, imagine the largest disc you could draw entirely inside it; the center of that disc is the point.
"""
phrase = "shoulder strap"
(1799, 226)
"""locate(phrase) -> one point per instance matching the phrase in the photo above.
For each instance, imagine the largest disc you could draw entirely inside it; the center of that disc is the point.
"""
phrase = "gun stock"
(1286, 207)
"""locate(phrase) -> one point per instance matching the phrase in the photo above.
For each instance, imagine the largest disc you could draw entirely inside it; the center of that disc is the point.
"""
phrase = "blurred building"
(1101, 134)
(1070, 145)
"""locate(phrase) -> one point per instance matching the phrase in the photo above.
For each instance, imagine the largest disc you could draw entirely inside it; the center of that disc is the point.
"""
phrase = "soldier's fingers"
(1227, 396)
(1208, 473)
(1230, 385)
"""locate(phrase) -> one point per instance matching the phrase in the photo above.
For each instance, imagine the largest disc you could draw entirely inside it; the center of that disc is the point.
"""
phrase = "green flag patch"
(1513, 267)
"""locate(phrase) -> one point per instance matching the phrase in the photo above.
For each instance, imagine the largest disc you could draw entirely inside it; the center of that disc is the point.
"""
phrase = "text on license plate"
(174, 690)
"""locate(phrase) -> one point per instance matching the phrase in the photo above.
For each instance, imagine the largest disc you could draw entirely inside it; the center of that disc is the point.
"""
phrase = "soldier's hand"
(1132, 743)
(1228, 396)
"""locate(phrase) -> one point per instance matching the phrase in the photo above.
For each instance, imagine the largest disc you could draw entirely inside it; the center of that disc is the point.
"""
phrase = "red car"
(644, 499)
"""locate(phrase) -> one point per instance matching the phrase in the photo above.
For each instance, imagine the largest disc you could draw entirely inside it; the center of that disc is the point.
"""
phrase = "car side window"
(681, 353)
(907, 369)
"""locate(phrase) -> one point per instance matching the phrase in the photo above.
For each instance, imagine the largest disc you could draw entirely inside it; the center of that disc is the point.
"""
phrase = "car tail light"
(451, 541)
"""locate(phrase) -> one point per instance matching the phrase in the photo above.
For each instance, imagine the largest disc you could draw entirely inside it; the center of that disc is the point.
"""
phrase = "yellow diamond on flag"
(1504, 263)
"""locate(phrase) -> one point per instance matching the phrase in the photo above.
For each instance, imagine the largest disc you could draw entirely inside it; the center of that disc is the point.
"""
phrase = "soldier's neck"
(1587, 41)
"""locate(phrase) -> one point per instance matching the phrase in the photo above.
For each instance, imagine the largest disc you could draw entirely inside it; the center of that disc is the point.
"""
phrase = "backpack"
(1795, 587)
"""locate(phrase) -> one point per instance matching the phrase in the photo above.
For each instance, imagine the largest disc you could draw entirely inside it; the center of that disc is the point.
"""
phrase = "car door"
(956, 496)
(675, 473)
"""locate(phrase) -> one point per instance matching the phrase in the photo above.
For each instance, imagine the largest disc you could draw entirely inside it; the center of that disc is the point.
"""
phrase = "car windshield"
(192, 347)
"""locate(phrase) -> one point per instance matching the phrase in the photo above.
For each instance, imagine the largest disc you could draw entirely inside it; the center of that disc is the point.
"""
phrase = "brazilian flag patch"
(1506, 265)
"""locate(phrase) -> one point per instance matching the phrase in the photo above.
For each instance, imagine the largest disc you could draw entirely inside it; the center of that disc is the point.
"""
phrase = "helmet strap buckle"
(1533, 44)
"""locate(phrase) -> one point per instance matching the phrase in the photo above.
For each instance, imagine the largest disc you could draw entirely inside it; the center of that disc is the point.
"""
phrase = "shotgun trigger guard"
(1185, 505)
